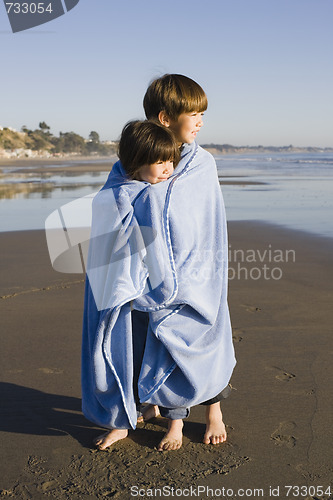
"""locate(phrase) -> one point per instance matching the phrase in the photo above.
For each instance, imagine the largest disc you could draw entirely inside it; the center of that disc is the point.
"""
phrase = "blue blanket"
(161, 249)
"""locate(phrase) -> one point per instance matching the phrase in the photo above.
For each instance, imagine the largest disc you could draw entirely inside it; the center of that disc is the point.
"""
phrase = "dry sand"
(279, 416)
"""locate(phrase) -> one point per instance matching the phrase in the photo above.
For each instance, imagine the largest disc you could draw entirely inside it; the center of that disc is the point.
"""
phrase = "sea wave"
(317, 161)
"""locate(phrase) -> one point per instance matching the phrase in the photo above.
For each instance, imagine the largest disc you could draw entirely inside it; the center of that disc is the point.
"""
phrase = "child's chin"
(190, 140)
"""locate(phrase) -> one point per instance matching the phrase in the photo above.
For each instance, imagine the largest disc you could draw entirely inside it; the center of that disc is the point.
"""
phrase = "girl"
(148, 152)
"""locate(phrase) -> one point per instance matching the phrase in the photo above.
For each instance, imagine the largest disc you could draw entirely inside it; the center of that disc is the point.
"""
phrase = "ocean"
(289, 189)
(292, 190)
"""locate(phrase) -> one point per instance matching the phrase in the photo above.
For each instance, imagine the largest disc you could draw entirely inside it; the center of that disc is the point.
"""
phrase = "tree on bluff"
(43, 126)
(69, 142)
(94, 137)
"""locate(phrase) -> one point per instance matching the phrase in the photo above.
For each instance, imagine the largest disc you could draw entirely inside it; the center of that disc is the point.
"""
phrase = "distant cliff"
(221, 149)
(41, 142)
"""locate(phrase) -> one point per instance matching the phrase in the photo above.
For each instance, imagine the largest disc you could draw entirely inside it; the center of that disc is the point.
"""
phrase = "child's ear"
(164, 119)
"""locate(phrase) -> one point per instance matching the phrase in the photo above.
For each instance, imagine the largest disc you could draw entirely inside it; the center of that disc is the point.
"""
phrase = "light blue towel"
(162, 249)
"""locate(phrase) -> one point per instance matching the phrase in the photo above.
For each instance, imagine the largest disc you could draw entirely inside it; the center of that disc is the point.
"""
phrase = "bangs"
(192, 99)
(163, 151)
(184, 96)
(150, 143)
(144, 143)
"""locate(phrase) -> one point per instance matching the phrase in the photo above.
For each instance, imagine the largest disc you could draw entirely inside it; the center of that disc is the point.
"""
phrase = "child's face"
(156, 172)
(187, 126)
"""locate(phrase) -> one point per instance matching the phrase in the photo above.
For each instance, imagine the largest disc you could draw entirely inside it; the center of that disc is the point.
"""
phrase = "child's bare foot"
(215, 428)
(149, 412)
(173, 438)
(105, 440)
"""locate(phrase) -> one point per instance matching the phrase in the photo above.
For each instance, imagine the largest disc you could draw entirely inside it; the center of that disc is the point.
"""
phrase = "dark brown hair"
(174, 94)
(144, 143)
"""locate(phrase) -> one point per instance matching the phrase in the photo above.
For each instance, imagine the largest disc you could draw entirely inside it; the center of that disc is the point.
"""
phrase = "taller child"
(178, 103)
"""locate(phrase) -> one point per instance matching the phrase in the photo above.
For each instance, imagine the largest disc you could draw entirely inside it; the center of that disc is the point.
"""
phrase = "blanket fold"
(161, 249)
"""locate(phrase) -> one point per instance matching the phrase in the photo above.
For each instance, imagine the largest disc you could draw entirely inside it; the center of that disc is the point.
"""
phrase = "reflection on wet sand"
(23, 184)
(9, 191)
(26, 189)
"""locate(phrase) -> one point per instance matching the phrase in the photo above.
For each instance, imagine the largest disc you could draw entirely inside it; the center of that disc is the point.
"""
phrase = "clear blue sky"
(266, 66)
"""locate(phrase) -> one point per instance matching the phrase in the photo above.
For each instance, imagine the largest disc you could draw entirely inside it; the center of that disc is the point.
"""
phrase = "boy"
(178, 103)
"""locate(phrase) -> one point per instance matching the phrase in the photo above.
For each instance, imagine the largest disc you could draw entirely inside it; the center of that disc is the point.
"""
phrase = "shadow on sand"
(28, 411)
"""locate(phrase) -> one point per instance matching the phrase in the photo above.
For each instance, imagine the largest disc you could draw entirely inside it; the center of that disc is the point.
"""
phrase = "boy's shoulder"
(205, 156)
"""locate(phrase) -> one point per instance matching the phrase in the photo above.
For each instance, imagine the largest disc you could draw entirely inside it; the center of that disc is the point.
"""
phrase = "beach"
(278, 416)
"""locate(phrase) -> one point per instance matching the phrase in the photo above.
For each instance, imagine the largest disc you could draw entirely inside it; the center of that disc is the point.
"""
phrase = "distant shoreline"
(221, 149)
(214, 149)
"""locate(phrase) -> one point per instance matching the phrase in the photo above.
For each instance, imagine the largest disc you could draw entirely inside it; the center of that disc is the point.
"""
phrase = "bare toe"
(215, 433)
(108, 438)
(169, 444)
(163, 445)
(99, 440)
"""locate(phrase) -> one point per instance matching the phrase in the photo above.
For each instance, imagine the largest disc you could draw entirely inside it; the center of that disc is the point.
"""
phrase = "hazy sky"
(266, 66)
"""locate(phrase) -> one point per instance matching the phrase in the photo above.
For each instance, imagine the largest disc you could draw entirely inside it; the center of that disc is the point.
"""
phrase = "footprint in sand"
(237, 335)
(282, 435)
(251, 309)
(49, 486)
(54, 371)
(283, 376)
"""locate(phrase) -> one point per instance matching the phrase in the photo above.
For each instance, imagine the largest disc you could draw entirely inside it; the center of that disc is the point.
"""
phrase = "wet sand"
(279, 415)
(25, 168)
(23, 176)
(45, 164)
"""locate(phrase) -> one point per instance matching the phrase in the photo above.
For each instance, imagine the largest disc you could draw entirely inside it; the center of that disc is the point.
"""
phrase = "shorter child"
(148, 152)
